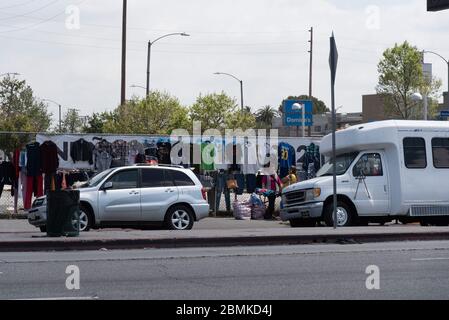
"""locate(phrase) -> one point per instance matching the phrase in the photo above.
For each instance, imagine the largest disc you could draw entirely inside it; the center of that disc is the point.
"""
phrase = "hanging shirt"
(250, 165)
(49, 157)
(287, 158)
(163, 152)
(33, 160)
(207, 156)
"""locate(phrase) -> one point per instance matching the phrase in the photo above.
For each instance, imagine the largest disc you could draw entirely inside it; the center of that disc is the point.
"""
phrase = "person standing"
(272, 183)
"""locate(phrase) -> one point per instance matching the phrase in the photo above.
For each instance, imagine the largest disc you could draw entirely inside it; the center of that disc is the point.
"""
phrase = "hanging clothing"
(120, 153)
(103, 160)
(34, 185)
(7, 176)
(207, 156)
(287, 158)
(49, 157)
(135, 148)
(163, 152)
(82, 150)
(250, 165)
(34, 165)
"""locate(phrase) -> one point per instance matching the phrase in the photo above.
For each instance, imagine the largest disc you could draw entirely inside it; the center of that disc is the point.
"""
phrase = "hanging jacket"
(33, 160)
(82, 150)
(49, 157)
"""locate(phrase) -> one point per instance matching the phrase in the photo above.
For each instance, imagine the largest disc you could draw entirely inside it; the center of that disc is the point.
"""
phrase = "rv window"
(440, 150)
(415, 153)
(343, 162)
(369, 165)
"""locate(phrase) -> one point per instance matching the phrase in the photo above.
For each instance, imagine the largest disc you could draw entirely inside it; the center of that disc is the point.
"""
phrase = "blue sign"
(444, 113)
(293, 114)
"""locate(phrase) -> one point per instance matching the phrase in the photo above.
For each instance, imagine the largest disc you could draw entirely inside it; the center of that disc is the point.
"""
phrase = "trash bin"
(63, 213)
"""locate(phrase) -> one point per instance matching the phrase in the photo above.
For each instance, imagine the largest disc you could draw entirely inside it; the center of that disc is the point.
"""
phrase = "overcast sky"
(263, 42)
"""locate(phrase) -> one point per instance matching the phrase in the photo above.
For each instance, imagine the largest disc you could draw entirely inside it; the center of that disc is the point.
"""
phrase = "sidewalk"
(213, 232)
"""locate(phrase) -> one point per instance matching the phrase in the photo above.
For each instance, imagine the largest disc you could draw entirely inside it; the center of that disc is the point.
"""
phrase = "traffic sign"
(437, 5)
(444, 113)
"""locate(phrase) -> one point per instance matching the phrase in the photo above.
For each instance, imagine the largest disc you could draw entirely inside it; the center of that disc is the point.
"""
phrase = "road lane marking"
(56, 299)
(430, 259)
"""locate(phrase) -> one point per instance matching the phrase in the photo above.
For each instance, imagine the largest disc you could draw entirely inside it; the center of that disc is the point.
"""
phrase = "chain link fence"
(11, 193)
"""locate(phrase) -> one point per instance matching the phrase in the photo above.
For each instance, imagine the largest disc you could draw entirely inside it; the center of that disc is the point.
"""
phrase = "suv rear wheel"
(179, 218)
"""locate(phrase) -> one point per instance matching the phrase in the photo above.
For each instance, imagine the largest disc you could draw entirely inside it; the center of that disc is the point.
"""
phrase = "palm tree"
(266, 115)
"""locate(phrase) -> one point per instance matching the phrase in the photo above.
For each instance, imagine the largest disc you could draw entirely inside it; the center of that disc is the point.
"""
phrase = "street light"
(241, 85)
(447, 63)
(59, 106)
(302, 107)
(183, 34)
(419, 97)
(137, 86)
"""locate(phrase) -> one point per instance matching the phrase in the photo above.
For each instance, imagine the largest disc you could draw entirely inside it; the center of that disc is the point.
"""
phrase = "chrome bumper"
(310, 210)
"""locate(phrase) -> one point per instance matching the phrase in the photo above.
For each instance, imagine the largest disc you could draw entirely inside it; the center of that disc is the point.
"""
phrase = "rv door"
(370, 184)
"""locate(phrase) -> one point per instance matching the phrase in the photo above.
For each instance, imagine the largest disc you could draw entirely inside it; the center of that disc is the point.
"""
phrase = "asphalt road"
(409, 270)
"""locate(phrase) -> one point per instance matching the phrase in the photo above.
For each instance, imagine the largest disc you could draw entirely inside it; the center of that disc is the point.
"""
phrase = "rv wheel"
(345, 215)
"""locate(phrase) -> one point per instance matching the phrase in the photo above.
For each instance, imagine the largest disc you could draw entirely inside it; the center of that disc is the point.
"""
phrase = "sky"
(70, 50)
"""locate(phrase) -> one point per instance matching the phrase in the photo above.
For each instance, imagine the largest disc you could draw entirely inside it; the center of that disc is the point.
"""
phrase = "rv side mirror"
(107, 186)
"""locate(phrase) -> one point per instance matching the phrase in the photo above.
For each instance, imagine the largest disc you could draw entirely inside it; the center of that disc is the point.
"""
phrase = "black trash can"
(63, 213)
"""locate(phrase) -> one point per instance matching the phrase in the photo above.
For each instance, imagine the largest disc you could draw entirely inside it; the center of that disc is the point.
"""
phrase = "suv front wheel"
(179, 218)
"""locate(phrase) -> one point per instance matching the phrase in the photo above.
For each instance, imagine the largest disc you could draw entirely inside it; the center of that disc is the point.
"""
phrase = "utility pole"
(123, 91)
(309, 129)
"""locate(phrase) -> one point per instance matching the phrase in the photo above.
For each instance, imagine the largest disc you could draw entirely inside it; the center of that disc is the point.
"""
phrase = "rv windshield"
(343, 162)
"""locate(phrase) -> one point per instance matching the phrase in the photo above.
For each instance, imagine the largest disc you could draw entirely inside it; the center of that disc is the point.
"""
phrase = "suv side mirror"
(108, 185)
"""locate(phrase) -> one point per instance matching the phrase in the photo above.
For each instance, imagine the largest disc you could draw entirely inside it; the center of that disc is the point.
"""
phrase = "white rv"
(385, 170)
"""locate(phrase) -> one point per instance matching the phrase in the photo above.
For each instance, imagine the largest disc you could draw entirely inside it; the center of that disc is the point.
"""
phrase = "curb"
(114, 244)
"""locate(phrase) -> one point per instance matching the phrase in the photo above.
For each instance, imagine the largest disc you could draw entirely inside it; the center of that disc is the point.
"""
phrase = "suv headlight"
(313, 193)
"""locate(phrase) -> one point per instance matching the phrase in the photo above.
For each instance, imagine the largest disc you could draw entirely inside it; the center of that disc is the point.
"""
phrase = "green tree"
(240, 120)
(72, 122)
(96, 122)
(265, 116)
(401, 75)
(20, 111)
(212, 110)
(319, 107)
(159, 113)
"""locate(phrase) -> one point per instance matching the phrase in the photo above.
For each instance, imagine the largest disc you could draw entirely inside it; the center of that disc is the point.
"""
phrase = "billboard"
(293, 116)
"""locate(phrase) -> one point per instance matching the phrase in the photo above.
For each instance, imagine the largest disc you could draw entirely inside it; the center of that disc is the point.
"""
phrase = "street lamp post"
(447, 63)
(241, 85)
(150, 44)
(59, 107)
(302, 107)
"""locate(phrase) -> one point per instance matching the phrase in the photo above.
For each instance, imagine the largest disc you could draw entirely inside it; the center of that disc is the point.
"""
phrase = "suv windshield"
(343, 162)
(97, 179)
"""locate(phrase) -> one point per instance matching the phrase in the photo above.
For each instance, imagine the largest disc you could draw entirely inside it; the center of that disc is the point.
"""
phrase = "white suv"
(137, 196)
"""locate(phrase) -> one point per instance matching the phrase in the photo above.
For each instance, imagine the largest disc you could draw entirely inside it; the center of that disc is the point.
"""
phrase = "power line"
(30, 12)
(41, 21)
(17, 5)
